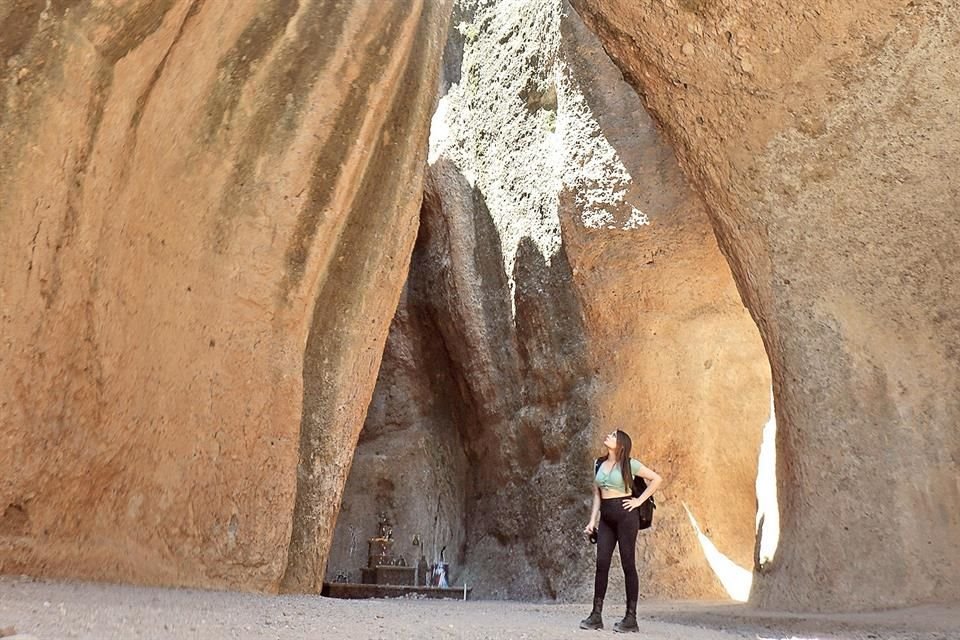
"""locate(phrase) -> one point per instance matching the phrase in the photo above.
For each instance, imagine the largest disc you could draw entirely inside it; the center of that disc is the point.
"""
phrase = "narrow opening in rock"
(565, 282)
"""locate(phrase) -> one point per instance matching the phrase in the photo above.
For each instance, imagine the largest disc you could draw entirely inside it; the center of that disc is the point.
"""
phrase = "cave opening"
(565, 281)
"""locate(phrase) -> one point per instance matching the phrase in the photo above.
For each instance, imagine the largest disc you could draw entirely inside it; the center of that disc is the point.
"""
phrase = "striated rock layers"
(824, 138)
(206, 212)
(565, 282)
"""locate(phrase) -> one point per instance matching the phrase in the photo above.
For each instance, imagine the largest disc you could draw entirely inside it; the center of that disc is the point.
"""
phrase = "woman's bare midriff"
(606, 494)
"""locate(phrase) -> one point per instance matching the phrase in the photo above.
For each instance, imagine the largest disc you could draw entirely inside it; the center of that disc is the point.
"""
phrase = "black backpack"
(645, 510)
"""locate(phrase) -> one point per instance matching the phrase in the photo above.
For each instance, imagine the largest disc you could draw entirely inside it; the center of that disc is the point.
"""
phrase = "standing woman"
(615, 522)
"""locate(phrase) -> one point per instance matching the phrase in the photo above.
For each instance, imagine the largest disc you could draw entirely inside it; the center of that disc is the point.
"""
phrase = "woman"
(613, 517)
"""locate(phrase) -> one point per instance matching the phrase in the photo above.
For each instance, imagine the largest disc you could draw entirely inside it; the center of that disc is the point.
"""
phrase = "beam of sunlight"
(768, 510)
(735, 579)
(590, 166)
(518, 151)
(485, 129)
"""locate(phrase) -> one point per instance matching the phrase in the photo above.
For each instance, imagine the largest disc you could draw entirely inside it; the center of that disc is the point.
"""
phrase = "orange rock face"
(675, 358)
(822, 136)
(206, 215)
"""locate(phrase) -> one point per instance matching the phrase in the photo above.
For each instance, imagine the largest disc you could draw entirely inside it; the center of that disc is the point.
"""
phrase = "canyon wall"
(823, 137)
(206, 213)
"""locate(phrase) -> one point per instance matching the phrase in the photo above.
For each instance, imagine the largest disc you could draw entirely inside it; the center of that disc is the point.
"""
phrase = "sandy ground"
(49, 611)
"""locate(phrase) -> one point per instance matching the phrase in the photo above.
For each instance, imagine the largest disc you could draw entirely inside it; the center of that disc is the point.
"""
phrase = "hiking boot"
(629, 622)
(594, 620)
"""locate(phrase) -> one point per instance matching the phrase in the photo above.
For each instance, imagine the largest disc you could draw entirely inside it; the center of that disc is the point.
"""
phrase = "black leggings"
(617, 525)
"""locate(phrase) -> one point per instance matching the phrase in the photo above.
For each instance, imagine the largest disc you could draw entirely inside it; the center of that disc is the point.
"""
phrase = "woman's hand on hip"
(631, 503)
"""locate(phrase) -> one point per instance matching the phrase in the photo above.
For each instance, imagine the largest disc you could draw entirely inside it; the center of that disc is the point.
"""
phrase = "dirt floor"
(49, 611)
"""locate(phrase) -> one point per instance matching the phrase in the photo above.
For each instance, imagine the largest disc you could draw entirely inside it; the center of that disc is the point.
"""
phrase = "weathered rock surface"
(824, 136)
(565, 282)
(206, 211)
(676, 358)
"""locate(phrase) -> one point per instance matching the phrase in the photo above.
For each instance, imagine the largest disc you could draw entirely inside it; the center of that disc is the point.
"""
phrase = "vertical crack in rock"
(143, 100)
(565, 282)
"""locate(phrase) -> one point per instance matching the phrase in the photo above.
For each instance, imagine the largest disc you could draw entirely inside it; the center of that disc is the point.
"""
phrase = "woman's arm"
(653, 483)
(594, 511)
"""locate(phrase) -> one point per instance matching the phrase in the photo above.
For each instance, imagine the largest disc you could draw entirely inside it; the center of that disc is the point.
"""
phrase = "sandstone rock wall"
(206, 211)
(566, 282)
(676, 358)
(823, 136)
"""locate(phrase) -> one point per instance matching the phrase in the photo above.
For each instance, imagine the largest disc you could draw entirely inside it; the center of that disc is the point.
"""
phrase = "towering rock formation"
(206, 213)
(565, 282)
(824, 138)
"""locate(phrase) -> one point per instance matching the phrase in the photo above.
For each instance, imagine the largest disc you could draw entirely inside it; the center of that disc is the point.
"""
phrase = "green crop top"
(614, 479)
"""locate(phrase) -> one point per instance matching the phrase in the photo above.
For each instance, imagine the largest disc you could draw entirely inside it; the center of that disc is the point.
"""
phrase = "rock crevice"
(575, 286)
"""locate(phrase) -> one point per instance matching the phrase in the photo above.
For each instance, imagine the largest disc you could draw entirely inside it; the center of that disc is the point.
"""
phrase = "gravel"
(53, 610)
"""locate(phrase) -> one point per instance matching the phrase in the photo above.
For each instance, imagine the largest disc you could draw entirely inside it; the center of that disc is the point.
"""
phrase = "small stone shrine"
(388, 575)
(382, 566)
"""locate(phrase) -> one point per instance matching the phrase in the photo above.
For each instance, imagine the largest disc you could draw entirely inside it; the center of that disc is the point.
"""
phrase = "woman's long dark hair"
(624, 444)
